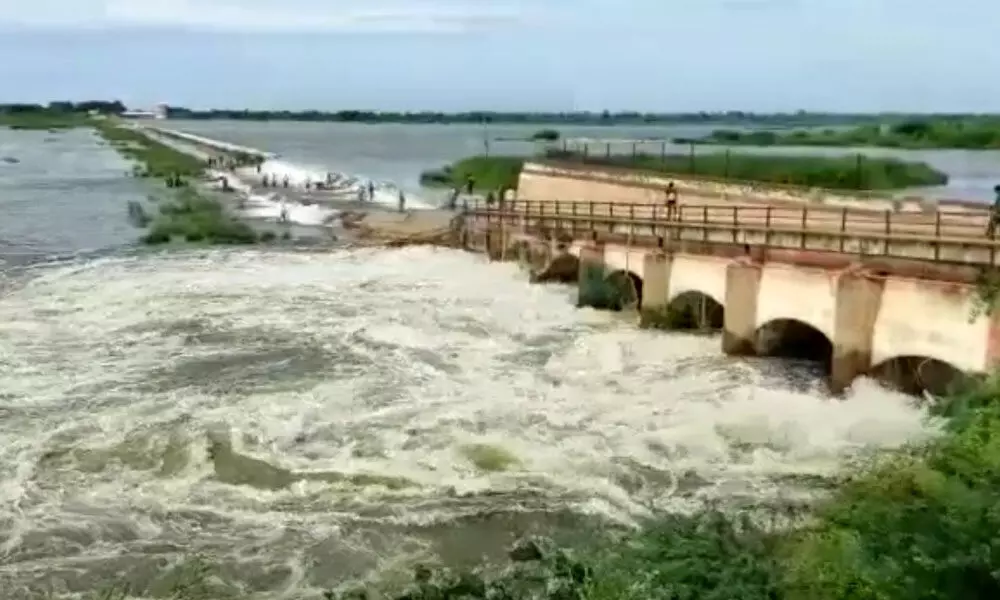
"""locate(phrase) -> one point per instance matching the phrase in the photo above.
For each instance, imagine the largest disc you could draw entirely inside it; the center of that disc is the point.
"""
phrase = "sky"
(546, 55)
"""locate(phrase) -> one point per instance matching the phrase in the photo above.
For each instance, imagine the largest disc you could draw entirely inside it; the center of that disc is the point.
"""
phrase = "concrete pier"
(865, 319)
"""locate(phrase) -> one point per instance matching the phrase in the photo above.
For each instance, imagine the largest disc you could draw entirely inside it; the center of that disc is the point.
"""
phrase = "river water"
(400, 152)
(305, 418)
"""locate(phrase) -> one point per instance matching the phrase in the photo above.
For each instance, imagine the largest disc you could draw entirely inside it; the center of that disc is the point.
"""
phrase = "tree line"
(605, 117)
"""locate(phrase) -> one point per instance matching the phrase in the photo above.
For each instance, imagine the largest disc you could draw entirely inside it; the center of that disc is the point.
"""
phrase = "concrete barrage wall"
(867, 319)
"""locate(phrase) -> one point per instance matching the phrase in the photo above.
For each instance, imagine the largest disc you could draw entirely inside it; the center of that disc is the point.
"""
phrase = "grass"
(155, 158)
(192, 217)
(44, 120)
(849, 173)
(546, 135)
(489, 458)
(854, 173)
(488, 172)
(970, 133)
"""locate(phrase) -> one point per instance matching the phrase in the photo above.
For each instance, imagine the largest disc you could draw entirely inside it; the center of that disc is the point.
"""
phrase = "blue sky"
(655, 55)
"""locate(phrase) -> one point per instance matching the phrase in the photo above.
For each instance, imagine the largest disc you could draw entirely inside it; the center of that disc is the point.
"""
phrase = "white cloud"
(265, 15)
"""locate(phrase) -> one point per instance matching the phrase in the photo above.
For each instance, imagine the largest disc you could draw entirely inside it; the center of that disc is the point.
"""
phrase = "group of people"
(231, 162)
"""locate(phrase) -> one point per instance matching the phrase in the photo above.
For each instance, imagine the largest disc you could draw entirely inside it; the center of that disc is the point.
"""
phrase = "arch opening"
(695, 310)
(626, 287)
(920, 375)
(791, 338)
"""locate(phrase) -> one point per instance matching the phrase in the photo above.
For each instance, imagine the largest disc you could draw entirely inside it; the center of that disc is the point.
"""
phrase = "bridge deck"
(938, 236)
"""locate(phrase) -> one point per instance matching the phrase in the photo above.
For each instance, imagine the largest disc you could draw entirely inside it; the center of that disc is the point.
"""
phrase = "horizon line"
(520, 112)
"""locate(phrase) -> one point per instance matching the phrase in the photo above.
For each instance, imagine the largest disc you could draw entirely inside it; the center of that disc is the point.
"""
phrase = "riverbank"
(971, 133)
(852, 173)
(52, 121)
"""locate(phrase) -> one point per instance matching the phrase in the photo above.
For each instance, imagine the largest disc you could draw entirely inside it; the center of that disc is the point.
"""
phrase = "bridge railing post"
(704, 223)
(804, 227)
(888, 232)
(767, 225)
(843, 227)
(736, 222)
(937, 237)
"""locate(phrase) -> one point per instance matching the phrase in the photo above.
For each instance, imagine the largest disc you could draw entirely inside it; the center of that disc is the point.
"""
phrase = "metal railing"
(955, 237)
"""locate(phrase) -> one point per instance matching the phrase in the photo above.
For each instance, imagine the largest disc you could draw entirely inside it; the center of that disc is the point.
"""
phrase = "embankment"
(552, 180)
(186, 210)
(588, 180)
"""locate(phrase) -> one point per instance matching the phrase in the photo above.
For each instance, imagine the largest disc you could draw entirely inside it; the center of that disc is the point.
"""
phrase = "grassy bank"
(488, 173)
(854, 173)
(184, 213)
(154, 158)
(53, 121)
(979, 133)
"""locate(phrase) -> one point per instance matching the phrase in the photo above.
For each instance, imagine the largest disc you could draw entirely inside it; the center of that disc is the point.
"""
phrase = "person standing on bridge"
(670, 199)
(402, 201)
(371, 190)
(991, 229)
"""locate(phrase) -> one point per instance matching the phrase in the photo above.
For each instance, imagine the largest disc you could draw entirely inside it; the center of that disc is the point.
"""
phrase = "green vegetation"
(55, 115)
(545, 135)
(194, 218)
(44, 121)
(487, 172)
(971, 133)
(855, 172)
(155, 158)
(489, 458)
(185, 214)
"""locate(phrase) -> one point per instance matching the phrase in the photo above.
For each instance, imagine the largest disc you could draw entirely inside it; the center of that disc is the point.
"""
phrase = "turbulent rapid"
(308, 418)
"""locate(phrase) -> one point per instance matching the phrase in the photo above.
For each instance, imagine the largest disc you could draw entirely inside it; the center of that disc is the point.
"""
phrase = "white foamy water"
(346, 184)
(273, 207)
(352, 386)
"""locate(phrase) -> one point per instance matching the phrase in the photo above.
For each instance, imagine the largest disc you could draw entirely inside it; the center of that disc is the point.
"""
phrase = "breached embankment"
(301, 202)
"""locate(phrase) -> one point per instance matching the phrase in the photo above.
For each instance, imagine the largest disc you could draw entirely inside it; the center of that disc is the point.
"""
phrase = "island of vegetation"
(852, 173)
(969, 133)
